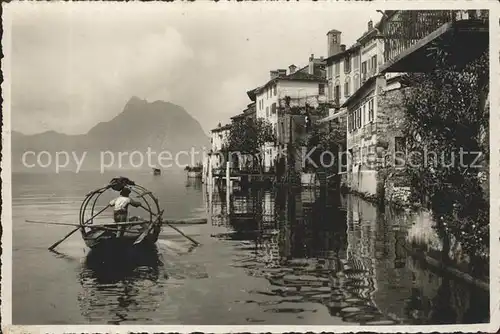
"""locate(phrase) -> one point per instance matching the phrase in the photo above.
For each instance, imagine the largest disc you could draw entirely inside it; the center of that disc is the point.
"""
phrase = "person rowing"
(120, 205)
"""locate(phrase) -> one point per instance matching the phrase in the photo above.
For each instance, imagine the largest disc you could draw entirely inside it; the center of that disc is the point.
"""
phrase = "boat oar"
(76, 229)
(147, 230)
(194, 221)
(180, 232)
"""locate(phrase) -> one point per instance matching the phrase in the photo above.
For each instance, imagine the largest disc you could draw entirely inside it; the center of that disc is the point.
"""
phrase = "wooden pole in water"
(210, 176)
(228, 187)
(173, 227)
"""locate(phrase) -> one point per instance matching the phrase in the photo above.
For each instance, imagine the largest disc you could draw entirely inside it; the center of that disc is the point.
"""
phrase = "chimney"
(370, 25)
(273, 74)
(333, 42)
(342, 47)
(292, 69)
(310, 69)
(281, 72)
(311, 57)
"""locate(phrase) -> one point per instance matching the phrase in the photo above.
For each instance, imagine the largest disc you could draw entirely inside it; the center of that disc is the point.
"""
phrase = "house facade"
(362, 117)
(297, 87)
(219, 140)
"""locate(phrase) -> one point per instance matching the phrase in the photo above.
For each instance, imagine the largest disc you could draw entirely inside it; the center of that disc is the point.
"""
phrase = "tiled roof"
(251, 94)
(238, 116)
(339, 55)
(297, 76)
(359, 91)
(222, 128)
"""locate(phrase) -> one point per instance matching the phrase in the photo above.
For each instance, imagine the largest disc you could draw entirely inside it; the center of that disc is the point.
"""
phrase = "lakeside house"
(304, 86)
(358, 89)
(219, 140)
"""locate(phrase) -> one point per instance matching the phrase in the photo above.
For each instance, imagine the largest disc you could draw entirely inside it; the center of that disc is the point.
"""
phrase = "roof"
(338, 114)
(221, 128)
(296, 76)
(386, 15)
(238, 116)
(359, 91)
(251, 94)
(339, 55)
(333, 31)
(373, 32)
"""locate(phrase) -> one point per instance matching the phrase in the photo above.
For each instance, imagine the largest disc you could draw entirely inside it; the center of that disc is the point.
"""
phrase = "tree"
(248, 136)
(325, 143)
(446, 123)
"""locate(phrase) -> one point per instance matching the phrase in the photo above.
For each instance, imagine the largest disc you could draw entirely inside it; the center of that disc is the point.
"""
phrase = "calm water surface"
(267, 257)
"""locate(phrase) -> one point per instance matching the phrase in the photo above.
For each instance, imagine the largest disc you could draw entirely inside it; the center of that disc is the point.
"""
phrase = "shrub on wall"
(446, 114)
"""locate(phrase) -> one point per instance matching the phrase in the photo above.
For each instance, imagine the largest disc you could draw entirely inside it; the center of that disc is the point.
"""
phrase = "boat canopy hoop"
(88, 210)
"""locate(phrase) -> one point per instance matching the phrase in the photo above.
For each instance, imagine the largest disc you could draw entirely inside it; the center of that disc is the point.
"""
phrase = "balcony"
(411, 38)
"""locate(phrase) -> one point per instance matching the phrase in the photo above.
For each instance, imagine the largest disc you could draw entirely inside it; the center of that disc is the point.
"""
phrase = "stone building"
(413, 49)
(219, 140)
(362, 114)
(302, 87)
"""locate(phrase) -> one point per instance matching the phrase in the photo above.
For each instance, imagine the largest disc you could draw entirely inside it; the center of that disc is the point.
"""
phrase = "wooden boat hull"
(124, 238)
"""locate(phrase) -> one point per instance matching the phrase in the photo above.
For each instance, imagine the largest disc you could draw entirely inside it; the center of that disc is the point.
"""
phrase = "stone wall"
(393, 185)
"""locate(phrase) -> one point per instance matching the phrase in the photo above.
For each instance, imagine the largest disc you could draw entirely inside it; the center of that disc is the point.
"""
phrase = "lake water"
(267, 257)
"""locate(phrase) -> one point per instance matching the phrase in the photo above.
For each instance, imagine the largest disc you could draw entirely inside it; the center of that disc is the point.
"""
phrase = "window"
(347, 64)
(351, 121)
(364, 114)
(337, 94)
(364, 67)
(267, 111)
(371, 111)
(337, 69)
(321, 89)
(275, 89)
(273, 108)
(330, 91)
(356, 83)
(356, 62)
(346, 88)
(399, 144)
(359, 118)
(329, 71)
(374, 64)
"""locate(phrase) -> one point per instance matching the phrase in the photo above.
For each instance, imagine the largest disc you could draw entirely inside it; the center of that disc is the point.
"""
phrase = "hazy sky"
(74, 65)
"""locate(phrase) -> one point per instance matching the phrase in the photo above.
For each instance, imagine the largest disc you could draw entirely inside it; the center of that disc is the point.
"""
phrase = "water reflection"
(342, 252)
(194, 183)
(120, 288)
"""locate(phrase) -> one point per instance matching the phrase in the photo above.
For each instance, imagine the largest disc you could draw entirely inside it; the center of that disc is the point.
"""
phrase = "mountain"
(158, 126)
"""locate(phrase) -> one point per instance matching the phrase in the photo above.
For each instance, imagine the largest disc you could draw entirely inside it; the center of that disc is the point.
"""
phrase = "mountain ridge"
(142, 125)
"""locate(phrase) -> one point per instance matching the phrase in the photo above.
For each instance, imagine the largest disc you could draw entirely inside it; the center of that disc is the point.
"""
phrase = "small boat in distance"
(194, 172)
(156, 171)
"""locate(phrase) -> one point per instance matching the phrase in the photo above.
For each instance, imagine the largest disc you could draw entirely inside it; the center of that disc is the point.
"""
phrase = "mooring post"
(228, 189)
(228, 176)
(210, 177)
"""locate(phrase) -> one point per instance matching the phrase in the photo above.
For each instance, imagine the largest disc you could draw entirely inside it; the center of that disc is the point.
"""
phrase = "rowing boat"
(136, 231)
(116, 234)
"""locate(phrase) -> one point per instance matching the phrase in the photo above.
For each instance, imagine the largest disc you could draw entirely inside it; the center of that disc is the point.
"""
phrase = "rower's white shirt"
(120, 203)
